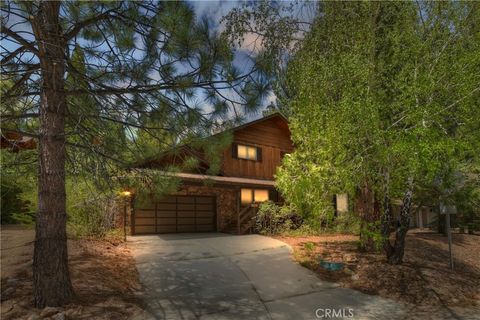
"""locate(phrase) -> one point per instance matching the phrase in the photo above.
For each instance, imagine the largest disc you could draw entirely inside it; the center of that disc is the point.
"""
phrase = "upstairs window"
(242, 151)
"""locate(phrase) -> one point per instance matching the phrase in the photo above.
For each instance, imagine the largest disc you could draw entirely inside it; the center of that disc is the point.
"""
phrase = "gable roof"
(282, 121)
(275, 115)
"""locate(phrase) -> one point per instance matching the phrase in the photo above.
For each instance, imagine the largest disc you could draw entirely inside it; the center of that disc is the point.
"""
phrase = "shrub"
(94, 218)
(347, 222)
(274, 219)
(14, 209)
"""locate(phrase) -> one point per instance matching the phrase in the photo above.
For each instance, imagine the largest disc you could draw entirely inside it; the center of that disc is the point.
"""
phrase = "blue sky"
(213, 10)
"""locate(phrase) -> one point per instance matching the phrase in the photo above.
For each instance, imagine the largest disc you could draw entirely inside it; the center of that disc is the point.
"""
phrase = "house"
(229, 200)
(15, 141)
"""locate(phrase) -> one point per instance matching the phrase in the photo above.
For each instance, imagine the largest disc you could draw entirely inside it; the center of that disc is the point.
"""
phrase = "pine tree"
(94, 74)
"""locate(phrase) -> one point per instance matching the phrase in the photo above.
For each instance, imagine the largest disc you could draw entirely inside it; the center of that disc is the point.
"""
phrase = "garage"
(174, 214)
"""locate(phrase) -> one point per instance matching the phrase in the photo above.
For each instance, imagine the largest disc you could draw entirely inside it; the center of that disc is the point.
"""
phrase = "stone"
(33, 316)
(12, 281)
(355, 277)
(49, 311)
(348, 271)
(7, 292)
(350, 258)
(59, 316)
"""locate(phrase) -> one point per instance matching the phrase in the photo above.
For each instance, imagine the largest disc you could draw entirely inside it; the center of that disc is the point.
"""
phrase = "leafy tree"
(382, 98)
(93, 75)
(385, 100)
(273, 31)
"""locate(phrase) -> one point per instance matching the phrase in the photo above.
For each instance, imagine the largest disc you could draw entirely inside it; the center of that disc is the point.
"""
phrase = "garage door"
(176, 214)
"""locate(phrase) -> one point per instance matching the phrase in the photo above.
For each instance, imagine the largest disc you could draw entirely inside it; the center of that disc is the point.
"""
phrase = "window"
(246, 196)
(260, 195)
(249, 196)
(242, 151)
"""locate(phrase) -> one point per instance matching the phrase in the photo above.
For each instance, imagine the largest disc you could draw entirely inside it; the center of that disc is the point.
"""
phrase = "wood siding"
(272, 136)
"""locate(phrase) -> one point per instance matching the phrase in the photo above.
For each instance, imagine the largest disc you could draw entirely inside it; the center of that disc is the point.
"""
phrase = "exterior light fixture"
(126, 194)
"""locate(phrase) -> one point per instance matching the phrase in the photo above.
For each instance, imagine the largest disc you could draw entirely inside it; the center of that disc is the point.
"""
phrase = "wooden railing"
(245, 219)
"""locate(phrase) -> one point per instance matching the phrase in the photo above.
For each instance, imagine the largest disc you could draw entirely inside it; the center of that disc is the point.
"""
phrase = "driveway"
(219, 276)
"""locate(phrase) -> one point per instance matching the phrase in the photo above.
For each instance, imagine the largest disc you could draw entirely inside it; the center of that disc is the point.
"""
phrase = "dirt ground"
(424, 281)
(103, 276)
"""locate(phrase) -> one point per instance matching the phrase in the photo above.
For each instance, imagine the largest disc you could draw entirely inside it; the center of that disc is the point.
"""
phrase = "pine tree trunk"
(51, 279)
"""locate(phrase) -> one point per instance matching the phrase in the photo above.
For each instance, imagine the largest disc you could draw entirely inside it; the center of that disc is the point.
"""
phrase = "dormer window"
(246, 152)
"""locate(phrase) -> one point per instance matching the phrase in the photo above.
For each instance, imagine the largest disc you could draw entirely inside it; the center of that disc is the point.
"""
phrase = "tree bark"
(370, 213)
(386, 223)
(396, 256)
(51, 279)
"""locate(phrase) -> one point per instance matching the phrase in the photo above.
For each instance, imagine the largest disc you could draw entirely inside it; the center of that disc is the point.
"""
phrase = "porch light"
(126, 193)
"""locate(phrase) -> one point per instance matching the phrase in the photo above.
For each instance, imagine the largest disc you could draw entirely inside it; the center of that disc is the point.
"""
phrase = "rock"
(59, 316)
(7, 292)
(350, 258)
(355, 277)
(12, 281)
(348, 271)
(33, 316)
(49, 311)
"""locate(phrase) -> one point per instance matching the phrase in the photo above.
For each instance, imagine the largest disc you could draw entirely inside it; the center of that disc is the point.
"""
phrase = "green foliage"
(18, 187)
(370, 235)
(90, 208)
(382, 89)
(274, 219)
(150, 185)
(13, 208)
(309, 247)
(140, 78)
(88, 220)
(11, 203)
(348, 222)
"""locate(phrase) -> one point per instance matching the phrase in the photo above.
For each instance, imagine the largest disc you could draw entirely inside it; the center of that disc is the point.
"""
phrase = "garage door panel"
(144, 229)
(166, 206)
(205, 214)
(145, 221)
(186, 221)
(204, 220)
(186, 228)
(186, 206)
(204, 207)
(176, 214)
(166, 214)
(186, 214)
(162, 221)
(205, 228)
(166, 229)
(144, 213)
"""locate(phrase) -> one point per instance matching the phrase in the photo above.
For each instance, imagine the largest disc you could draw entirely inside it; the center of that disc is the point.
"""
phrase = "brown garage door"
(176, 214)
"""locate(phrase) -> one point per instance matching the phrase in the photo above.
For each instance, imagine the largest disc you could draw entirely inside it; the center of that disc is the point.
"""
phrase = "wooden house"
(229, 201)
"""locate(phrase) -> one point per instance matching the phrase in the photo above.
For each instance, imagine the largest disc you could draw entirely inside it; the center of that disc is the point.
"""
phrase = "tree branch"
(20, 39)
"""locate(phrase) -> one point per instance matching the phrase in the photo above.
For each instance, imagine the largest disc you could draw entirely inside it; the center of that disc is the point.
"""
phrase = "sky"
(214, 10)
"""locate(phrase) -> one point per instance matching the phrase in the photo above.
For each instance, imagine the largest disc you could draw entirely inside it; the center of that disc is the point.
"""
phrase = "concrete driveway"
(219, 276)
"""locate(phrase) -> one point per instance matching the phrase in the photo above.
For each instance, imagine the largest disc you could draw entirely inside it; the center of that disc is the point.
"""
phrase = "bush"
(13, 208)
(95, 218)
(347, 222)
(274, 219)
